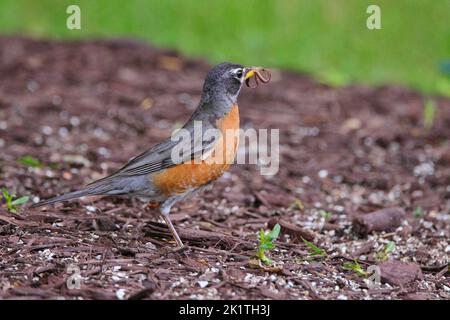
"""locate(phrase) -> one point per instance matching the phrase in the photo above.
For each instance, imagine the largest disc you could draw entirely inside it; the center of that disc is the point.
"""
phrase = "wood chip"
(399, 273)
(382, 220)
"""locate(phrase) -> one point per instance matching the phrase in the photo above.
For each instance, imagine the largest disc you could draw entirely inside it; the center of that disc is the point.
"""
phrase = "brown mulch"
(85, 108)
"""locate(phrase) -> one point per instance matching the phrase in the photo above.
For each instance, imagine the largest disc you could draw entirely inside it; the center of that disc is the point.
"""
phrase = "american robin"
(155, 176)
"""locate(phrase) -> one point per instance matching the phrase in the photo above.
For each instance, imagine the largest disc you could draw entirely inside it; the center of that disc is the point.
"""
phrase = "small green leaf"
(30, 161)
(418, 212)
(354, 266)
(390, 247)
(262, 236)
(8, 199)
(20, 201)
(349, 265)
(273, 235)
(12, 203)
(266, 243)
(325, 214)
(6, 195)
(314, 250)
(271, 245)
(383, 254)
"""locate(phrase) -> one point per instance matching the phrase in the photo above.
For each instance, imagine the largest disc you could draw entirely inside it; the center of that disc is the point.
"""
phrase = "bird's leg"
(174, 232)
(164, 209)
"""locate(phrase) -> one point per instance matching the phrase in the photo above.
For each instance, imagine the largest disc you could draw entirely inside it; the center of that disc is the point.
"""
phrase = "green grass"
(314, 250)
(326, 38)
(356, 267)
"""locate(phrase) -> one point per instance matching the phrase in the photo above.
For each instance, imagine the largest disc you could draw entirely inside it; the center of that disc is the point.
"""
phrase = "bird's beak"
(250, 73)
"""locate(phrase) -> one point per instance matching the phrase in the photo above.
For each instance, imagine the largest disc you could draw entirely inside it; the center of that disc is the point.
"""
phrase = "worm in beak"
(259, 74)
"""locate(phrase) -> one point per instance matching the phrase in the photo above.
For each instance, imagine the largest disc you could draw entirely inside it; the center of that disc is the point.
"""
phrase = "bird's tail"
(67, 196)
(109, 186)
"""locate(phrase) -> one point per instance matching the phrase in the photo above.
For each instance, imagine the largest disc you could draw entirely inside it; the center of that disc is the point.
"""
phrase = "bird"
(162, 179)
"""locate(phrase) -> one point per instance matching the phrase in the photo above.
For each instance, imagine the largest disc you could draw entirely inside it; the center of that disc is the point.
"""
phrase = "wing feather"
(159, 157)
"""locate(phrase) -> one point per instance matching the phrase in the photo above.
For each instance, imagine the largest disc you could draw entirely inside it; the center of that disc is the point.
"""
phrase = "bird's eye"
(239, 73)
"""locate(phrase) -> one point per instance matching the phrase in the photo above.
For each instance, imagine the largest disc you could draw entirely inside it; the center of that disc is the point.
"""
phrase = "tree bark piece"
(381, 220)
(399, 273)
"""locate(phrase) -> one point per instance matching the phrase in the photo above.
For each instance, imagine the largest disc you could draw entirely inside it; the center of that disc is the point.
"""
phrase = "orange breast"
(190, 175)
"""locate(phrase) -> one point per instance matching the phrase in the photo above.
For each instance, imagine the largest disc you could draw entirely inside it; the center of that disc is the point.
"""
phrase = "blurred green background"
(328, 39)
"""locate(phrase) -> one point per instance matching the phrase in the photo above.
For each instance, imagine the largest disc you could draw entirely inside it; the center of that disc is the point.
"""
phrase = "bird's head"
(224, 81)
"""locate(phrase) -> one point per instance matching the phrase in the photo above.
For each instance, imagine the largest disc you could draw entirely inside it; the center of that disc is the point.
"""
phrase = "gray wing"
(159, 157)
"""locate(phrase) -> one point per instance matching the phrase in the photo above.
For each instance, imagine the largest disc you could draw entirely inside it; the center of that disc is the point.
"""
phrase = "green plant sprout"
(418, 212)
(356, 267)
(266, 243)
(30, 162)
(429, 113)
(12, 202)
(325, 214)
(314, 250)
(383, 254)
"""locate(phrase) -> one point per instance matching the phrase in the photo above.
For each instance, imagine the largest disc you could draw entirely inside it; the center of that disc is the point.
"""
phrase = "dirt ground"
(84, 108)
